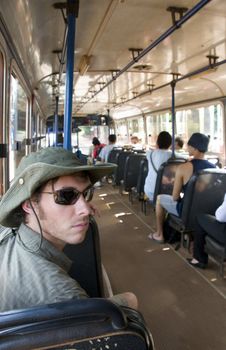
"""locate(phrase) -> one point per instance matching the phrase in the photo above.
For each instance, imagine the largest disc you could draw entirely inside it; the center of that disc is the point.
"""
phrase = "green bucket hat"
(38, 168)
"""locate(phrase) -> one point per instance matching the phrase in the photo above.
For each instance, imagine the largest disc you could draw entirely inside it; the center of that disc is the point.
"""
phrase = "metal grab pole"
(72, 13)
(56, 121)
(173, 84)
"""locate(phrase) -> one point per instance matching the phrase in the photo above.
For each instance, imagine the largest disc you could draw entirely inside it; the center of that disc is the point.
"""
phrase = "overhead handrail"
(63, 55)
(189, 75)
(190, 13)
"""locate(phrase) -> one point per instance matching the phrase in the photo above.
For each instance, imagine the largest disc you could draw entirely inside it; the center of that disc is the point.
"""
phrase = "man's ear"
(26, 206)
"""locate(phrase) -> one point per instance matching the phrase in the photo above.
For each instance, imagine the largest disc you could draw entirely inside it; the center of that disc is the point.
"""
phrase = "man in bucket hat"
(47, 205)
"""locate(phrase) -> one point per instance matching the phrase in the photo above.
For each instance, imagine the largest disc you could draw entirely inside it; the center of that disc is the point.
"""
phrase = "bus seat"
(119, 172)
(217, 251)
(79, 324)
(214, 160)
(113, 155)
(165, 180)
(131, 172)
(204, 194)
(86, 267)
(138, 190)
(113, 158)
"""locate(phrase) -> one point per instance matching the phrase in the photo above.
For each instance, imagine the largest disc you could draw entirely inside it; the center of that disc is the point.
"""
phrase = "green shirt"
(33, 272)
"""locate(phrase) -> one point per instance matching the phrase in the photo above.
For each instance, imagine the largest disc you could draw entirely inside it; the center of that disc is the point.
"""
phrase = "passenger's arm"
(178, 183)
(125, 299)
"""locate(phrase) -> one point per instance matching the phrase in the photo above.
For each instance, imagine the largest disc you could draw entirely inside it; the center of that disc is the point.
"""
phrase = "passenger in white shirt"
(136, 144)
(104, 153)
(221, 211)
(179, 143)
(155, 159)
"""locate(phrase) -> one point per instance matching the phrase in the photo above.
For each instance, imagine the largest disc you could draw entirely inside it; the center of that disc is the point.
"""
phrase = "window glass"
(156, 124)
(34, 130)
(83, 138)
(207, 120)
(136, 128)
(122, 133)
(18, 112)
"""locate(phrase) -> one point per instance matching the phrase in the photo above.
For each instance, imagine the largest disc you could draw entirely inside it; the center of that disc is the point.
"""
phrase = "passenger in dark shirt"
(197, 146)
(208, 225)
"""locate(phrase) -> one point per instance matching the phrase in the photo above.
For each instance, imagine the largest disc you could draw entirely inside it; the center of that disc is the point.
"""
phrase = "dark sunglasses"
(69, 195)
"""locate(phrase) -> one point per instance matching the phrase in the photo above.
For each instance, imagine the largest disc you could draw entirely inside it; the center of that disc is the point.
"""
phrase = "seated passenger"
(104, 153)
(134, 140)
(179, 150)
(179, 143)
(197, 146)
(136, 144)
(97, 147)
(155, 158)
(49, 205)
(208, 225)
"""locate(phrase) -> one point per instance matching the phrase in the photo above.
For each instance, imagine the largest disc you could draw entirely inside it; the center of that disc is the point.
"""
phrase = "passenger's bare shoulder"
(184, 167)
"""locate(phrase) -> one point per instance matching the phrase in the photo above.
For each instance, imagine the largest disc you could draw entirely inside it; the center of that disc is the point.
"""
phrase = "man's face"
(63, 224)
(190, 150)
(177, 146)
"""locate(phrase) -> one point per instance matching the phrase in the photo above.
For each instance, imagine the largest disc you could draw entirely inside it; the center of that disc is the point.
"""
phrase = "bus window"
(18, 114)
(155, 124)
(83, 137)
(207, 120)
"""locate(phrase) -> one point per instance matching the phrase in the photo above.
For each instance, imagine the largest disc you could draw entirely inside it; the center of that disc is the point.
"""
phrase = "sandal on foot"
(160, 241)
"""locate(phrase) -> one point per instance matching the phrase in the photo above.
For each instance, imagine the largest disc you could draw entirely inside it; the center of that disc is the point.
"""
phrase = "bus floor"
(184, 307)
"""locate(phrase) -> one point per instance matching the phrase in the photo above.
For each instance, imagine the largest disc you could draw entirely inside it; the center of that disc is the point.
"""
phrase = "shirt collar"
(33, 242)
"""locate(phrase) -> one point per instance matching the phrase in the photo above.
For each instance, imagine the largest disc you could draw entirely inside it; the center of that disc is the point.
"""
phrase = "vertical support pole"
(127, 130)
(173, 84)
(56, 121)
(48, 133)
(77, 140)
(223, 159)
(72, 7)
(145, 129)
(108, 111)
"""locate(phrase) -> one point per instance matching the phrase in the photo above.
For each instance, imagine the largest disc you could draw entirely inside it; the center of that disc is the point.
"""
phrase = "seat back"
(113, 158)
(166, 176)
(131, 170)
(113, 155)
(80, 324)
(121, 160)
(204, 194)
(217, 251)
(143, 171)
(86, 262)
